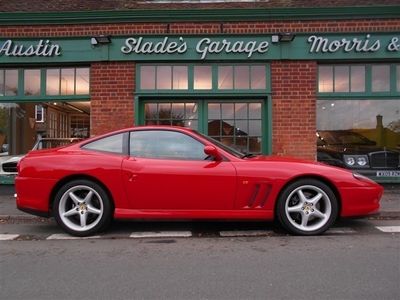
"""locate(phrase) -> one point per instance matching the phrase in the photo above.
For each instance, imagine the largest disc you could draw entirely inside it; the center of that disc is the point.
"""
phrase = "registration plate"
(388, 173)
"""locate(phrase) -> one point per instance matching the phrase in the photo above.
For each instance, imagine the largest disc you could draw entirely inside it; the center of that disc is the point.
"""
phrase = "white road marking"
(157, 234)
(340, 230)
(390, 229)
(65, 236)
(8, 237)
(234, 233)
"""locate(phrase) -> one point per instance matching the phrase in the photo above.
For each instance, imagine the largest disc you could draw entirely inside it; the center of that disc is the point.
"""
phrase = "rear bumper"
(33, 195)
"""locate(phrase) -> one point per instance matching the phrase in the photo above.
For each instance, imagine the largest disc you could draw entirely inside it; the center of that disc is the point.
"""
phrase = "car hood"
(273, 158)
(12, 158)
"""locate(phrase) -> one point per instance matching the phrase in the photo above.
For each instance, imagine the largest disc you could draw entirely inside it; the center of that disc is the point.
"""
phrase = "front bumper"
(381, 175)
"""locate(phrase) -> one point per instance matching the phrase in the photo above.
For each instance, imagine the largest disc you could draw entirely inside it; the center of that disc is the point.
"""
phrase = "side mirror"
(213, 152)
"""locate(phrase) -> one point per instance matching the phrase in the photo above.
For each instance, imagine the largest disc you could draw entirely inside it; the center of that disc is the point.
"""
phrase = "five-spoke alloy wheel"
(82, 207)
(307, 207)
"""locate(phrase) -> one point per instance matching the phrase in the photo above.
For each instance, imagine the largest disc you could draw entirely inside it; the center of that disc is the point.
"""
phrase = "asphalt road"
(284, 267)
(357, 259)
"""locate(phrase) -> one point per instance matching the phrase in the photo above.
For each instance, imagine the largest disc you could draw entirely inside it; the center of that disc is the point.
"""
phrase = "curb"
(384, 215)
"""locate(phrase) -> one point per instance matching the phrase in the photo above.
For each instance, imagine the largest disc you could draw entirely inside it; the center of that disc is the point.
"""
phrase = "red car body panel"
(143, 188)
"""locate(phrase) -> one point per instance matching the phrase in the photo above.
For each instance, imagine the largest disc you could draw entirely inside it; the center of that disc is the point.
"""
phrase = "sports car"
(170, 173)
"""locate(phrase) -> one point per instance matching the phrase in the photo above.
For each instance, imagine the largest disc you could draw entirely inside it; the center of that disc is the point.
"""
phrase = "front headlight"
(349, 160)
(356, 160)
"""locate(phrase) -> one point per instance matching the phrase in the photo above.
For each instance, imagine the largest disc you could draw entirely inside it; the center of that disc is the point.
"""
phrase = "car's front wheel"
(82, 207)
(307, 207)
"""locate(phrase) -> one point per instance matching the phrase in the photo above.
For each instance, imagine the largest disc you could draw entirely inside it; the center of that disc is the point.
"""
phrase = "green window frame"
(21, 94)
(214, 79)
(205, 96)
(202, 113)
(393, 81)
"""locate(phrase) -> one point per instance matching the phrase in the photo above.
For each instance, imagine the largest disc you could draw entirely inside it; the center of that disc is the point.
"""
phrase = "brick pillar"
(294, 108)
(112, 96)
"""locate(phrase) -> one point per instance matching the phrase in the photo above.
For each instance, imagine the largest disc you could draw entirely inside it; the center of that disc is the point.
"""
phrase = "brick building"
(262, 76)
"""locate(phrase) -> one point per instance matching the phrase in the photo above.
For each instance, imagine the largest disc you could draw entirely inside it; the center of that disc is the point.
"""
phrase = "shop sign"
(148, 48)
(320, 44)
(203, 47)
(43, 48)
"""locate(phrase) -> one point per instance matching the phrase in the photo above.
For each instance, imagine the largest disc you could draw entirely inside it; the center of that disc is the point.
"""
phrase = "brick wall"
(368, 25)
(294, 108)
(112, 96)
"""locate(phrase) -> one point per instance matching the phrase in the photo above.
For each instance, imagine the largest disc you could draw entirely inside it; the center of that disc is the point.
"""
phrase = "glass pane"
(381, 78)
(67, 81)
(150, 111)
(109, 144)
(255, 145)
(255, 127)
(242, 144)
(228, 111)
(52, 81)
(241, 127)
(255, 110)
(191, 110)
(225, 77)
(82, 81)
(170, 145)
(1, 82)
(180, 78)
(358, 78)
(258, 79)
(164, 79)
(228, 127)
(214, 127)
(32, 82)
(398, 78)
(242, 77)
(178, 111)
(341, 79)
(11, 82)
(192, 124)
(325, 79)
(164, 111)
(241, 111)
(202, 78)
(214, 111)
(359, 127)
(148, 77)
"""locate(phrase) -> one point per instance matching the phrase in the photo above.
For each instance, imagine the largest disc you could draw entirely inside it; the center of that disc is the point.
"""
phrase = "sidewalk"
(390, 203)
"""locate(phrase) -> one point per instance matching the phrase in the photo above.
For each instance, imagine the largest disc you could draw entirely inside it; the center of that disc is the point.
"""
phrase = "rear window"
(113, 144)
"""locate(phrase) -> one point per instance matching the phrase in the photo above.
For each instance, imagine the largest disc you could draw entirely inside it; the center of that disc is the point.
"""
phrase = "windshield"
(222, 146)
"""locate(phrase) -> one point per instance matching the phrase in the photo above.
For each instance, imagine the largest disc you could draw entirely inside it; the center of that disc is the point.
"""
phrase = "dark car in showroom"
(351, 150)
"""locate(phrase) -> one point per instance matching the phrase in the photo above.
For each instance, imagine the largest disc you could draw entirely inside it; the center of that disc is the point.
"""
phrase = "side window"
(112, 144)
(165, 144)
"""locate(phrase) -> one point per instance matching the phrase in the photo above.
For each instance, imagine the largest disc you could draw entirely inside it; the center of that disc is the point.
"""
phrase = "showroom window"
(358, 78)
(45, 82)
(361, 124)
(203, 78)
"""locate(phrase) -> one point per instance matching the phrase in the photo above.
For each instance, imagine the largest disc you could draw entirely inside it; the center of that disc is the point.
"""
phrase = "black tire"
(299, 213)
(82, 208)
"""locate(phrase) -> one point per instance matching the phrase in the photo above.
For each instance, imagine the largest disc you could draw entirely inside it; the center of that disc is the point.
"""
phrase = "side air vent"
(259, 195)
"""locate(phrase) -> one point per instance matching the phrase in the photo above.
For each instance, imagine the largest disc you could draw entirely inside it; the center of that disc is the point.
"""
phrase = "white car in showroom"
(8, 163)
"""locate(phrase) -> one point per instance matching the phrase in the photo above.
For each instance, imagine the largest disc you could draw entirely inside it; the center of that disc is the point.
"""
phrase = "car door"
(168, 170)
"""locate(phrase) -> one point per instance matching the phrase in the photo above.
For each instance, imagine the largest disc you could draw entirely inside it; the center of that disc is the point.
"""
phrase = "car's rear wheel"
(307, 207)
(82, 207)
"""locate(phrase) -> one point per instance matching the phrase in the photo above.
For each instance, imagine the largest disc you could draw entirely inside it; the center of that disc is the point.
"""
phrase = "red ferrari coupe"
(174, 173)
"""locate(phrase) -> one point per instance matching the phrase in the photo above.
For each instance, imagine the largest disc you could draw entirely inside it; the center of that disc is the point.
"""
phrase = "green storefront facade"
(247, 77)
